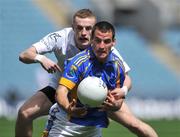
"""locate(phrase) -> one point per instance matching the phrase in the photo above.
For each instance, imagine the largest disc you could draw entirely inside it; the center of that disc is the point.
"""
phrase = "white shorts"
(63, 128)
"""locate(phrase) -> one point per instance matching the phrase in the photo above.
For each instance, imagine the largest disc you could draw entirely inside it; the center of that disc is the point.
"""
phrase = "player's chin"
(102, 54)
(84, 45)
(102, 57)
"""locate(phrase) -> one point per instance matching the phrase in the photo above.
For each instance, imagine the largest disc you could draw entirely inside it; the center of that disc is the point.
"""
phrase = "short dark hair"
(83, 13)
(103, 26)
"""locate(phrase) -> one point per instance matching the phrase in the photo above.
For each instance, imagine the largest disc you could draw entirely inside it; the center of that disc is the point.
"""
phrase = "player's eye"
(97, 40)
(88, 28)
(79, 28)
(107, 41)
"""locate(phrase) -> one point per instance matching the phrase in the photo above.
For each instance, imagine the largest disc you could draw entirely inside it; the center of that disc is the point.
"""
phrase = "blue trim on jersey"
(85, 64)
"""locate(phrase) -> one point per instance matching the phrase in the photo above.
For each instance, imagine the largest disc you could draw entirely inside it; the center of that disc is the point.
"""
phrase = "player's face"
(82, 28)
(101, 44)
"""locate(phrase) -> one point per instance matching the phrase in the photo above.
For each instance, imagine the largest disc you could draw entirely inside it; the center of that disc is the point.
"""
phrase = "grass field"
(165, 128)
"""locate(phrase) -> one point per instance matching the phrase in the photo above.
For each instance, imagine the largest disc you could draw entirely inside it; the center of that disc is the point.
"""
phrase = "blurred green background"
(164, 128)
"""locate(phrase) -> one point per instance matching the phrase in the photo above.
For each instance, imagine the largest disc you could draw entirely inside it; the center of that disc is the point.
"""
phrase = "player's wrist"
(124, 89)
(39, 58)
(68, 109)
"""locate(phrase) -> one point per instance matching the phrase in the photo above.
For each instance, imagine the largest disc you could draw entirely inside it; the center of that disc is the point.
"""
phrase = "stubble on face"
(82, 28)
(102, 44)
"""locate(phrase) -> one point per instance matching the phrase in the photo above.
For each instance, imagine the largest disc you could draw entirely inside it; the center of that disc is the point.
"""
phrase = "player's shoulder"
(117, 61)
(59, 33)
(116, 52)
(63, 32)
(81, 57)
(60, 37)
(116, 55)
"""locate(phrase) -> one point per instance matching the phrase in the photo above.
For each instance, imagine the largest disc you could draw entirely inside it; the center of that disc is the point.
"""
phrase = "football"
(92, 91)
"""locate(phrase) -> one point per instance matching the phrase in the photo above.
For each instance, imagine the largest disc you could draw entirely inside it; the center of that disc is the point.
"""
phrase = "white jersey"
(63, 45)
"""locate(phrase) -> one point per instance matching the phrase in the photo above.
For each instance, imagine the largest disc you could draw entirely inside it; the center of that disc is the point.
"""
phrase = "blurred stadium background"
(148, 37)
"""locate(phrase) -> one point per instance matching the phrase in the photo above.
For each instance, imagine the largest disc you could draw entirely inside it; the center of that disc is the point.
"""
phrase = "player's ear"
(114, 42)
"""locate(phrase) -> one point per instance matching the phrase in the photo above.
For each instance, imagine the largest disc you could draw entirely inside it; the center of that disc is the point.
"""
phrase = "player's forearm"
(28, 56)
(127, 82)
(61, 96)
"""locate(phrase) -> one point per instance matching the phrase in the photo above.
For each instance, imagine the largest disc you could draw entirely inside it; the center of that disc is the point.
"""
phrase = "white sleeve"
(127, 68)
(49, 42)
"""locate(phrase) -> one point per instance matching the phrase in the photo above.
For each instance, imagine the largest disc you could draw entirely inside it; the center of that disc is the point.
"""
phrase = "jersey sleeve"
(120, 74)
(127, 68)
(70, 77)
(50, 42)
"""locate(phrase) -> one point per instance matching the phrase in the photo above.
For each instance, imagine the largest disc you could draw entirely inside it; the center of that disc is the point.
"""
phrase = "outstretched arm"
(30, 55)
(128, 82)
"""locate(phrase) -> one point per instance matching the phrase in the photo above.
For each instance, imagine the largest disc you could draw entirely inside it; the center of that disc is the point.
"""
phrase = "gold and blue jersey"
(86, 64)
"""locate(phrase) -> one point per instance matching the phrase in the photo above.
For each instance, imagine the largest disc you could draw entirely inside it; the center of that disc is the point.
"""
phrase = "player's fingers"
(114, 93)
(57, 68)
(110, 96)
(53, 68)
(45, 68)
(118, 96)
(50, 70)
(109, 93)
(109, 99)
(72, 103)
(108, 104)
(83, 112)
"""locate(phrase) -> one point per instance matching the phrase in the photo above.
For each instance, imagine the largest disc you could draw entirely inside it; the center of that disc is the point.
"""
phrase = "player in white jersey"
(64, 44)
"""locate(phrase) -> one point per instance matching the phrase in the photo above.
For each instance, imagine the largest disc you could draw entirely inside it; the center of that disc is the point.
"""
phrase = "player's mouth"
(101, 53)
(83, 39)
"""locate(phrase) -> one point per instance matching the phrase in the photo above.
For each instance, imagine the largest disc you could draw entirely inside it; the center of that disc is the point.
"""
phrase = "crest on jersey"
(71, 74)
(54, 36)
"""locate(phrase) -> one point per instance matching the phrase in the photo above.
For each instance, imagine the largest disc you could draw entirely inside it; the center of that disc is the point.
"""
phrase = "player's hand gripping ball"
(92, 91)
